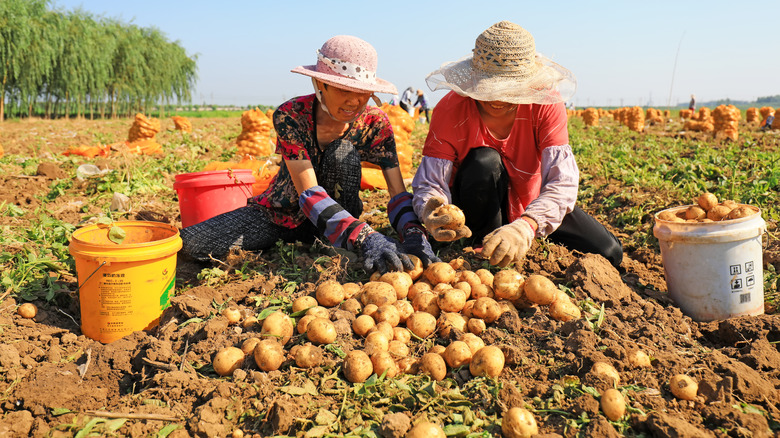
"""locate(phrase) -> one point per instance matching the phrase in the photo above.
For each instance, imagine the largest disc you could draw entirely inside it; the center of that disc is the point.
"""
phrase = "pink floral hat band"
(346, 68)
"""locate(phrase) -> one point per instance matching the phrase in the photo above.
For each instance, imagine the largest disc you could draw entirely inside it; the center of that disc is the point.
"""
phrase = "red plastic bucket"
(203, 195)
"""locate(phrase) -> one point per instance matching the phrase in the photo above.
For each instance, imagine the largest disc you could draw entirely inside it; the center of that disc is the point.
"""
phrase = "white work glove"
(444, 226)
(508, 244)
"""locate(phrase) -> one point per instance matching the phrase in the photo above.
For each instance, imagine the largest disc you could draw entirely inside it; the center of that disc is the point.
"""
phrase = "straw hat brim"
(550, 84)
(346, 83)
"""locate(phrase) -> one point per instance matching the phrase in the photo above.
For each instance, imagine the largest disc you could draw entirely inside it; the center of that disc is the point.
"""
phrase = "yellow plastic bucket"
(124, 287)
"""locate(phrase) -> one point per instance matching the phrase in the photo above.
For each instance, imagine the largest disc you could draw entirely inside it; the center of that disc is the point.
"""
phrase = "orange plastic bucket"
(124, 287)
(203, 195)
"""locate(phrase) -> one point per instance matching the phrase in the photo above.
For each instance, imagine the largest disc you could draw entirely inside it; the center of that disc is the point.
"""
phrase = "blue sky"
(622, 52)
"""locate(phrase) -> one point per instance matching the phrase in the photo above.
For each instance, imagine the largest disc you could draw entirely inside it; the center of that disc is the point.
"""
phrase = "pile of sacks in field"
(726, 121)
(700, 122)
(140, 139)
(591, 117)
(655, 116)
(403, 125)
(633, 118)
(182, 124)
(257, 137)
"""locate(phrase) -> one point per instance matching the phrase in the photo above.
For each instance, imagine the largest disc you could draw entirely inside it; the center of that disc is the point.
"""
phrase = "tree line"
(65, 63)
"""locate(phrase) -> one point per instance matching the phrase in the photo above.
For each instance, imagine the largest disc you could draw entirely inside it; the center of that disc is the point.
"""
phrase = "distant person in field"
(498, 148)
(322, 138)
(692, 103)
(407, 101)
(423, 104)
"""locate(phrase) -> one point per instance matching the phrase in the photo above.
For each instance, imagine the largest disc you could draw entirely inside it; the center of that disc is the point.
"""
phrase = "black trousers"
(480, 190)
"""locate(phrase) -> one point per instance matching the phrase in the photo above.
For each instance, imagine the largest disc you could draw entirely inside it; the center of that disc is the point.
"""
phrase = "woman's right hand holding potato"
(445, 222)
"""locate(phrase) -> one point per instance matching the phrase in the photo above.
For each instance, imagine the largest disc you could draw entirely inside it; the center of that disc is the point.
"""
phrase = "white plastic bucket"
(714, 270)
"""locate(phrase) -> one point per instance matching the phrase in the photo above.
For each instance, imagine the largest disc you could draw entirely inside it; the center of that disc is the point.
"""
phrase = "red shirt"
(457, 127)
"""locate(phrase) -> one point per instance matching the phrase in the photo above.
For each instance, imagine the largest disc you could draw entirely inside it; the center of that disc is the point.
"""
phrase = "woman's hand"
(381, 253)
(443, 226)
(508, 244)
(415, 243)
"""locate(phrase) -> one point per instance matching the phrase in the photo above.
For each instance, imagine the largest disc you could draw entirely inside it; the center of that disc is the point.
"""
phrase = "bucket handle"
(90, 275)
(241, 184)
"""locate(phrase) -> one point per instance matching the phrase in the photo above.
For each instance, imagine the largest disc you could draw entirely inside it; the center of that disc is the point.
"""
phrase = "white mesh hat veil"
(505, 66)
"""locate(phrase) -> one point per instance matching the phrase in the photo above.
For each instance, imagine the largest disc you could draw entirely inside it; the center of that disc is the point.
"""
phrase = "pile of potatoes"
(708, 209)
(395, 309)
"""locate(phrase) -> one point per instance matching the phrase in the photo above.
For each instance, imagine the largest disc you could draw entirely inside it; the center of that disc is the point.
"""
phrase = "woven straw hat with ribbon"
(505, 66)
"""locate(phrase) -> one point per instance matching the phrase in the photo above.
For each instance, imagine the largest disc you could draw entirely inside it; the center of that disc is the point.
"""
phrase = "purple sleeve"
(431, 179)
(560, 182)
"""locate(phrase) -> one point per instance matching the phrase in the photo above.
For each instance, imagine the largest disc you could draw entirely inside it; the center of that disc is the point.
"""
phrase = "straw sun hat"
(349, 63)
(505, 66)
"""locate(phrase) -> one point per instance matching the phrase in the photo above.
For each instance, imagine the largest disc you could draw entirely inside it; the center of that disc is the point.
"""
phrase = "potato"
(487, 361)
(329, 293)
(398, 349)
(357, 366)
(468, 309)
(351, 290)
(418, 269)
(321, 331)
(474, 342)
(564, 309)
(318, 311)
(740, 212)
(415, 289)
(438, 349)
(250, 322)
(426, 429)
(448, 321)
(407, 365)
(487, 309)
(370, 310)
(405, 309)
(303, 303)
(248, 346)
(695, 212)
(683, 387)
(352, 306)
(442, 287)
(307, 356)
(613, 404)
(401, 282)
(718, 213)
(476, 326)
(485, 276)
(363, 324)
(383, 327)
(455, 215)
(482, 290)
(464, 286)
(668, 216)
(540, 289)
(427, 302)
(439, 272)
(269, 355)
(422, 324)
(707, 200)
(27, 310)
(638, 359)
(469, 277)
(606, 371)
(451, 300)
(228, 360)
(457, 354)
(375, 342)
(232, 315)
(508, 284)
(278, 326)
(303, 323)
(518, 423)
(433, 365)
(387, 313)
(384, 363)
(378, 292)
(402, 334)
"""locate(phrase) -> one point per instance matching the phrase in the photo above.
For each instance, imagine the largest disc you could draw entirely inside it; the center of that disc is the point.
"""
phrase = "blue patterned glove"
(414, 242)
(381, 253)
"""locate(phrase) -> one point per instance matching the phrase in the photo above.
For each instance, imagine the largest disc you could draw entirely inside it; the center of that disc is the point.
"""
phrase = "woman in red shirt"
(498, 148)
(323, 137)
